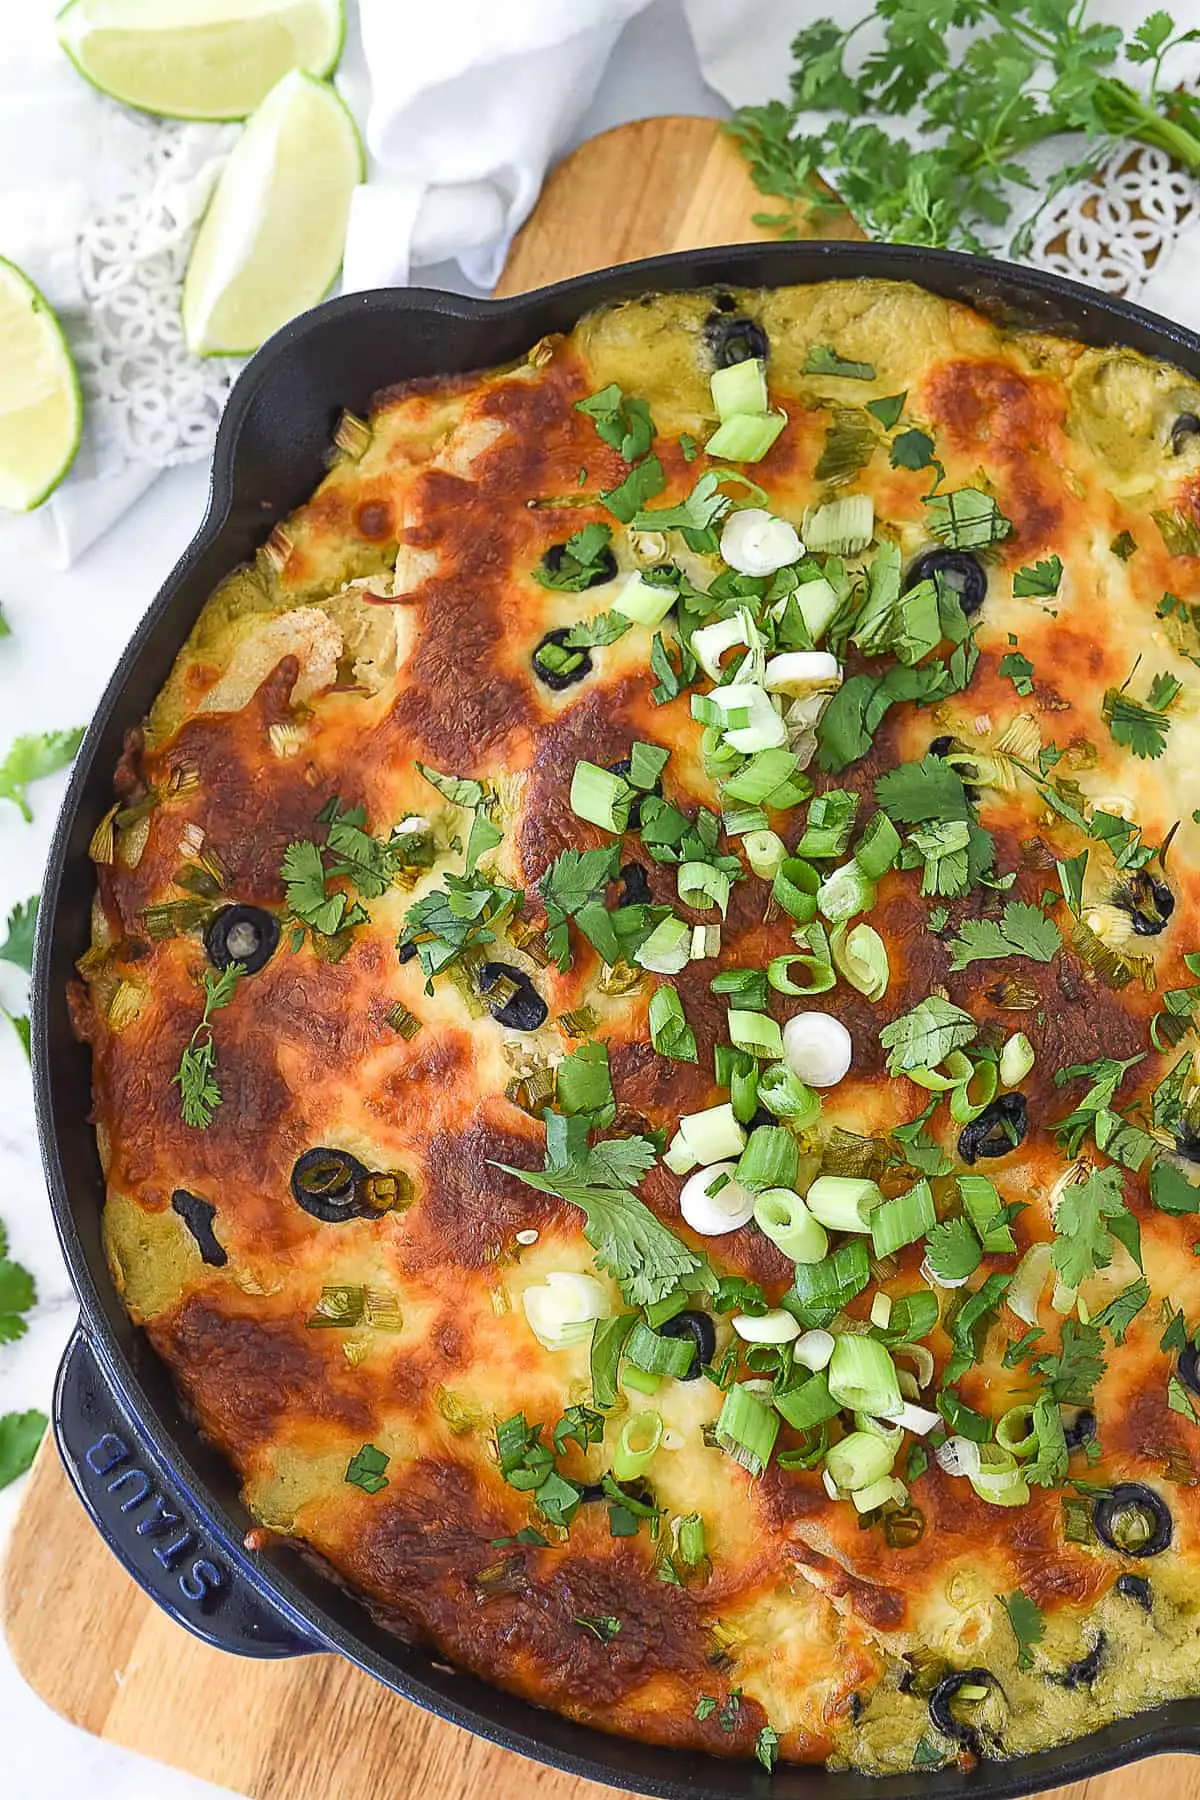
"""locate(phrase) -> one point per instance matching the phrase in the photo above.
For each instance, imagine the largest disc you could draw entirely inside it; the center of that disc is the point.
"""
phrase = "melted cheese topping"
(392, 619)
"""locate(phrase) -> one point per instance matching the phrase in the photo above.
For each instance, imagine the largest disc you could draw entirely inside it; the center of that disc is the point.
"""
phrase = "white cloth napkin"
(465, 103)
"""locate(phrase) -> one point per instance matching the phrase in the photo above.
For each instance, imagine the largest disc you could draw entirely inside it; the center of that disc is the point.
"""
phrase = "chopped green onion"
(710, 643)
(640, 1438)
(756, 1033)
(668, 949)
(766, 853)
(1016, 1431)
(720, 758)
(863, 1377)
(747, 986)
(1028, 1284)
(982, 1205)
(843, 1202)
(840, 528)
(903, 1220)
(562, 1309)
(740, 388)
(656, 1355)
(788, 1097)
(999, 1481)
(661, 1310)
(557, 659)
(819, 604)
(706, 942)
(845, 892)
(880, 1493)
(830, 822)
(808, 1404)
(747, 821)
(820, 1290)
(639, 1382)
(601, 797)
(747, 1429)
(764, 774)
(707, 711)
(782, 1216)
(761, 727)
(646, 764)
(859, 1459)
(670, 1033)
(976, 1094)
(745, 437)
(954, 1072)
(688, 1540)
(771, 1159)
(712, 1135)
(701, 886)
(817, 963)
(860, 954)
(795, 889)
(646, 603)
(1016, 1060)
(608, 1341)
(881, 1310)
(878, 847)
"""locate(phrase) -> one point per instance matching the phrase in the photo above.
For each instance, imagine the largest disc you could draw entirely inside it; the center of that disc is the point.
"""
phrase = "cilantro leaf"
(624, 423)
(1123, 1309)
(1029, 1627)
(32, 757)
(912, 449)
(1040, 578)
(766, 1747)
(643, 482)
(953, 1250)
(1083, 1223)
(577, 563)
(1171, 1191)
(18, 944)
(888, 410)
(923, 1037)
(574, 880)
(1023, 931)
(1140, 727)
(1123, 545)
(1049, 1466)
(365, 1470)
(17, 1295)
(1019, 670)
(915, 793)
(647, 1260)
(823, 359)
(20, 1435)
(458, 789)
(1073, 1371)
(458, 917)
(303, 871)
(357, 857)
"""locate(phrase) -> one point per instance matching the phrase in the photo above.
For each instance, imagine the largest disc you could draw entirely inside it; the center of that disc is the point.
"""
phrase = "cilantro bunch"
(1031, 70)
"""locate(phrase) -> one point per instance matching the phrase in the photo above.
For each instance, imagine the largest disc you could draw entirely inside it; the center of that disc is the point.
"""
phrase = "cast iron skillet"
(166, 1503)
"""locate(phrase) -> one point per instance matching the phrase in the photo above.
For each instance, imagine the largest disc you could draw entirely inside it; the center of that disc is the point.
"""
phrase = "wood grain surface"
(84, 1636)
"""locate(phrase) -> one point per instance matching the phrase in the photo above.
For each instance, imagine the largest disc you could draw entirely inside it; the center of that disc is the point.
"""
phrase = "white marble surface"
(68, 630)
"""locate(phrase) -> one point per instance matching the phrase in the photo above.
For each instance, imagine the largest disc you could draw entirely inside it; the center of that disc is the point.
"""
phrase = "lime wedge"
(41, 410)
(271, 242)
(199, 59)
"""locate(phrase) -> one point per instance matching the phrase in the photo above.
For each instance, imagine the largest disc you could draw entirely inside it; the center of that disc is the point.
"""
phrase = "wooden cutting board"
(83, 1635)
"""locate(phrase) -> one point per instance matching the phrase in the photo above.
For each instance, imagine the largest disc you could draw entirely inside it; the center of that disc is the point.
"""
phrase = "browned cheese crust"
(392, 619)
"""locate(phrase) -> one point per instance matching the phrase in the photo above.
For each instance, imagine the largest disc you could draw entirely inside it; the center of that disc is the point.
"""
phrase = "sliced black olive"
(1188, 1367)
(241, 934)
(639, 1491)
(976, 1732)
(198, 1216)
(564, 666)
(1085, 1671)
(1187, 1141)
(999, 1128)
(605, 569)
(622, 768)
(405, 953)
(1137, 1589)
(1081, 1428)
(703, 1333)
(762, 1116)
(733, 338)
(328, 1184)
(522, 1010)
(1148, 902)
(958, 569)
(942, 746)
(1186, 425)
(1133, 1519)
(636, 887)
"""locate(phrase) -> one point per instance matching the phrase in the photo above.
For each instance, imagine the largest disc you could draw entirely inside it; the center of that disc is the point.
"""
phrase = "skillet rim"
(1030, 297)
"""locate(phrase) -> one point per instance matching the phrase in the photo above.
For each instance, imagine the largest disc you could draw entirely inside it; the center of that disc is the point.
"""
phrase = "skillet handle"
(172, 1550)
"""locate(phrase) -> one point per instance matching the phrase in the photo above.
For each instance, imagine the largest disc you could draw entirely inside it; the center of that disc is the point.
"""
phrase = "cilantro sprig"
(33, 757)
(1024, 930)
(1029, 1627)
(199, 1090)
(978, 111)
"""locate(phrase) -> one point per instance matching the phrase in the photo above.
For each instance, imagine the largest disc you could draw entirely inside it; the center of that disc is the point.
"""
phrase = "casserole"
(281, 406)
